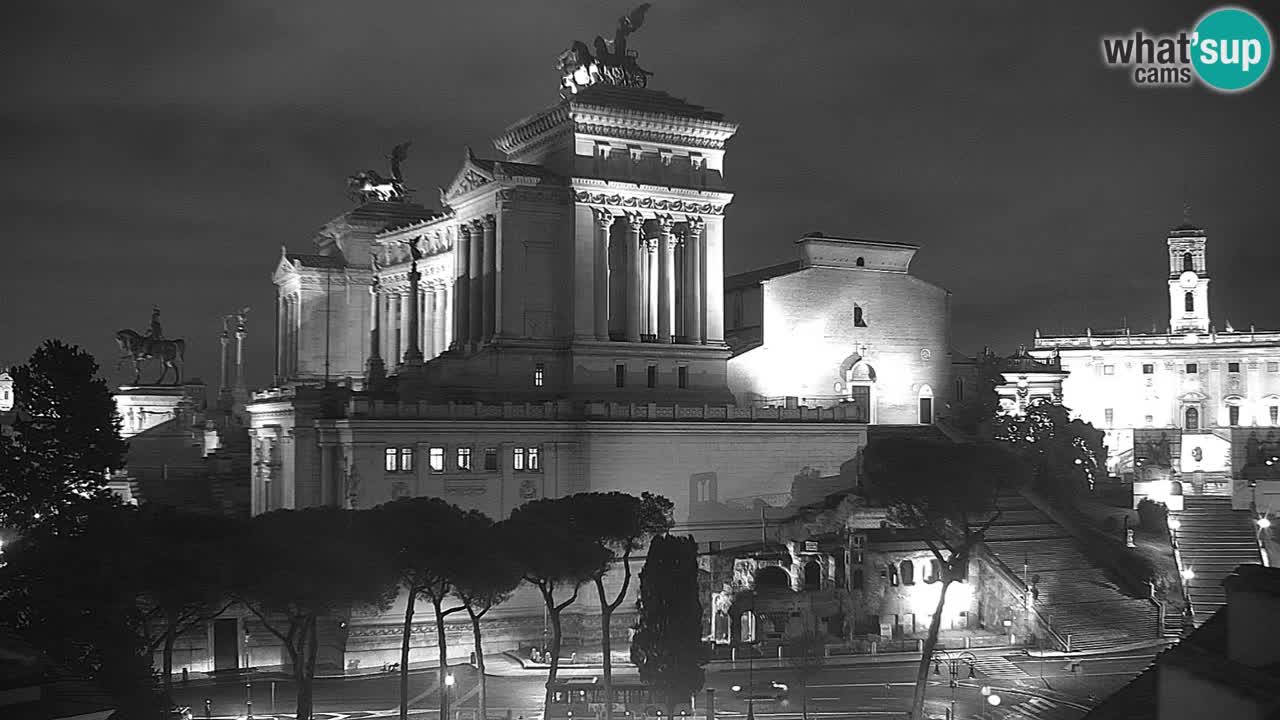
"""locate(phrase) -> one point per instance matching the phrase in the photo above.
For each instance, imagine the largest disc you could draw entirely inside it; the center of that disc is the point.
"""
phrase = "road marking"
(1000, 667)
(823, 699)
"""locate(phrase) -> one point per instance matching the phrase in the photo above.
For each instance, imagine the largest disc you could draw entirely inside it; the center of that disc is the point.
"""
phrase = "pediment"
(284, 268)
(469, 177)
(1193, 396)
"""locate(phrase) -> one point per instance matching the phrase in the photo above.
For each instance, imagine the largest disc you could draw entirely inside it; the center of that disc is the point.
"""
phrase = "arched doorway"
(812, 575)
(926, 405)
(1192, 416)
(772, 578)
(860, 380)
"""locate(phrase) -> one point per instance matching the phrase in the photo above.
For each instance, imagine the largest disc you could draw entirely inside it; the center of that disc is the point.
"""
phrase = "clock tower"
(1188, 279)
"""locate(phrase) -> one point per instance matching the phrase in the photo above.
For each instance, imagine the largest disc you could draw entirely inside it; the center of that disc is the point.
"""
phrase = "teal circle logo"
(1231, 49)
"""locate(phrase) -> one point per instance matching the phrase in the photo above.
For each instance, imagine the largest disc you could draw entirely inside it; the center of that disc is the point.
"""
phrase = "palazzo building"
(1198, 404)
(558, 326)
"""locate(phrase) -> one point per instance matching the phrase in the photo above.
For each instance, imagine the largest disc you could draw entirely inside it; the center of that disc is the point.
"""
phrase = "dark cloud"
(161, 153)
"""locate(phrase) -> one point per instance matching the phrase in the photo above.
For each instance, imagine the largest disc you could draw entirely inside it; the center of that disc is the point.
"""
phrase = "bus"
(583, 698)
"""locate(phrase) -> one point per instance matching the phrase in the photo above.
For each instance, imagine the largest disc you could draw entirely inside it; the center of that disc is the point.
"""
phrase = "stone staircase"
(1075, 595)
(1213, 540)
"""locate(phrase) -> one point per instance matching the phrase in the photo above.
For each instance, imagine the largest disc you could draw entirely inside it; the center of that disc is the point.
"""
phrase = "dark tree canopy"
(1065, 455)
(667, 647)
(65, 440)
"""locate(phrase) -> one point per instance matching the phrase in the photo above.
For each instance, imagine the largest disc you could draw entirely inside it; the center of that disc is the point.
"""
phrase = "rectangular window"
(517, 459)
(682, 377)
(538, 374)
(436, 458)
(1233, 415)
(1108, 369)
(534, 456)
(1192, 369)
(1149, 420)
(651, 376)
(1110, 415)
(1233, 367)
(406, 459)
(1273, 367)
(1148, 369)
(491, 458)
(389, 461)
(464, 459)
(1274, 412)
(620, 375)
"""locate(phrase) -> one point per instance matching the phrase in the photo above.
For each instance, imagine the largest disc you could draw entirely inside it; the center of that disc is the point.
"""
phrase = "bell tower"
(1188, 278)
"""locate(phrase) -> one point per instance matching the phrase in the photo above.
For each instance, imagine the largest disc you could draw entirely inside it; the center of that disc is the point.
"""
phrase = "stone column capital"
(666, 223)
(694, 224)
(464, 230)
(489, 222)
(635, 221)
(604, 218)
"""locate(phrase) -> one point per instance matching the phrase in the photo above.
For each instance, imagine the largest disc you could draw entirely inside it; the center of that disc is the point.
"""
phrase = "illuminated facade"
(1196, 404)
(845, 323)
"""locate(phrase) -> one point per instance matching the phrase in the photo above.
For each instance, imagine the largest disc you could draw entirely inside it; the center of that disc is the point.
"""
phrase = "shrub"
(1110, 525)
(1152, 515)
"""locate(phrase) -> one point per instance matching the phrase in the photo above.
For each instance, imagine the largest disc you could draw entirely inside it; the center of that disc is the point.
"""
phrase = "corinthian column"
(439, 313)
(462, 288)
(475, 319)
(635, 224)
(412, 352)
(693, 251)
(375, 371)
(651, 286)
(666, 277)
(604, 221)
(490, 270)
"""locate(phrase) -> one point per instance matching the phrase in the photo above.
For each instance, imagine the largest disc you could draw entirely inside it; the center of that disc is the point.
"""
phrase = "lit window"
(390, 463)
(1189, 302)
(1148, 369)
(538, 371)
(1110, 415)
(534, 456)
(1274, 412)
(620, 375)
(491, 458)
(893, 576)
(651, 376)
(1149, 420)
(682, 377)
(1233, 415)
(437, 459)
(1233, 367)
(406, 459)
(464, 459)
(1108, 369)
(1192, 369)
(959, 390)
(517, 459)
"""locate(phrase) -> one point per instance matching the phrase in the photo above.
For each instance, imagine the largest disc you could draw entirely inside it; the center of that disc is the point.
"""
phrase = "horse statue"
(138, 347)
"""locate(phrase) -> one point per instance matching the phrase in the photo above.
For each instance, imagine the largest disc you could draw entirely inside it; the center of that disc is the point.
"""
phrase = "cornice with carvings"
(556, 195)
(657, 205)
(531, 128)
(669, 191)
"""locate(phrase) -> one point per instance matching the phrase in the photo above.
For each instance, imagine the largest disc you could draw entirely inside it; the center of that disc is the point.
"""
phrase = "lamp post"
(1264, 523)
(448, 685)
(954, 663)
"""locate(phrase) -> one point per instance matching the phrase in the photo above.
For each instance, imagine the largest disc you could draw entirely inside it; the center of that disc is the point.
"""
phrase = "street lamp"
(448, 685)
(1188, 574)
(954, 663)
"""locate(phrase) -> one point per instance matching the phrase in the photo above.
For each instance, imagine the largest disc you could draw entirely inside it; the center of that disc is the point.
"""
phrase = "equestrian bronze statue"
(137, 347)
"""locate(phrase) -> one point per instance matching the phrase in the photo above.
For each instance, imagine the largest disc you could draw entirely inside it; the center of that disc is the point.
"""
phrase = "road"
(1028, 688)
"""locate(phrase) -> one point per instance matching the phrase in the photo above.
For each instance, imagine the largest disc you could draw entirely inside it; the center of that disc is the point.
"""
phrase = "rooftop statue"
(614, 65)
(370, 185)
(136, 347)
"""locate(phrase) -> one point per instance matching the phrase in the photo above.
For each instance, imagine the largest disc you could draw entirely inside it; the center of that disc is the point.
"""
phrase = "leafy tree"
(667, 647)
(428, 537)
(621, 523)
(1064, 454)
(70, 587)
(554, 556)
(949, 494)
(489, 575)
(66, 438)
(185, 563)
(981, 407)
(304, 565)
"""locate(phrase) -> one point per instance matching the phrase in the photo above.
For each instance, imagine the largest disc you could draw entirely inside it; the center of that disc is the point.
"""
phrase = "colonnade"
(475, 282)
(655, 292)
(435, 303)
(289, 327)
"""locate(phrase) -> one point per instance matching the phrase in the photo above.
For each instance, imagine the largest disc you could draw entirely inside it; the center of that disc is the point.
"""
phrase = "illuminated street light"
(448, 679)
(1263, 522)
(993, 699)
(1174, 524)
(1188, 574)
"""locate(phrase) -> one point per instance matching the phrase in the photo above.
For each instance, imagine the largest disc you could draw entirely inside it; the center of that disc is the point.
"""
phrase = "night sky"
(157, 154)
